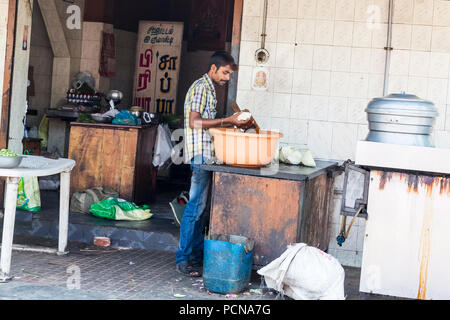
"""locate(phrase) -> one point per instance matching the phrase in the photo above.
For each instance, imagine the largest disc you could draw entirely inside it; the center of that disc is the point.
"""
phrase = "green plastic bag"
(119, 209)
(28, 195)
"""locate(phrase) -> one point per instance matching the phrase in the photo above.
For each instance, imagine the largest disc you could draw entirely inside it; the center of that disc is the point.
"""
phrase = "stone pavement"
(91, 273)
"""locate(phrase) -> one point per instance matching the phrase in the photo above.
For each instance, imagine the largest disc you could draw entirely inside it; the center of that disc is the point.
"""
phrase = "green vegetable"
(8, 153)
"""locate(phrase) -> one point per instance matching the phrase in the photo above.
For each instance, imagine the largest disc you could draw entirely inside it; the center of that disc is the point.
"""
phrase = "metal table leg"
(64, 212)
(12, 184)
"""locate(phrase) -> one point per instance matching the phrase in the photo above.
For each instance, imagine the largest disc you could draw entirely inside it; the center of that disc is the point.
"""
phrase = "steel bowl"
(10, 162)
(101, 119)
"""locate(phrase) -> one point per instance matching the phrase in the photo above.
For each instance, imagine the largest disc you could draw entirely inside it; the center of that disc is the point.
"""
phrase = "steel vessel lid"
(402, 104)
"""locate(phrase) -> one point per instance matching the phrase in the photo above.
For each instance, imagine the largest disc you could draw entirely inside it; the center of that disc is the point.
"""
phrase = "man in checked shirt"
(199, 116)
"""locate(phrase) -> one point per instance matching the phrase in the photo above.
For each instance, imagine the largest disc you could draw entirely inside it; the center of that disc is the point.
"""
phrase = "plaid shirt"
(201, 98)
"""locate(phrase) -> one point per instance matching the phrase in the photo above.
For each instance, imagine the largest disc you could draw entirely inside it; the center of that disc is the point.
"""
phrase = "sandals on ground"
(188, 271)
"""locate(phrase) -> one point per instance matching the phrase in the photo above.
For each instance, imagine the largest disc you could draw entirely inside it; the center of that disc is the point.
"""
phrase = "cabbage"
(307, 158)
(290, 155)
(244, 116)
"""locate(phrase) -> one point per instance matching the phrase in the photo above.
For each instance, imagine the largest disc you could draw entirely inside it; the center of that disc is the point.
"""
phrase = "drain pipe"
(388, 49)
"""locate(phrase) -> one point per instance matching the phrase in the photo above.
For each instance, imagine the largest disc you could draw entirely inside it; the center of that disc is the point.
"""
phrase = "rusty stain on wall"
(384, 177)
(414, 181)
(425, 239)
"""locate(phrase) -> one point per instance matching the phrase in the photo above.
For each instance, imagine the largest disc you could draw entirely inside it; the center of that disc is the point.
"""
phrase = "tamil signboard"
(157, 66)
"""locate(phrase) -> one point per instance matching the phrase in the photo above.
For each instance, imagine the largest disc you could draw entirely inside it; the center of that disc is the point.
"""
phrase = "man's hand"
(244, 124)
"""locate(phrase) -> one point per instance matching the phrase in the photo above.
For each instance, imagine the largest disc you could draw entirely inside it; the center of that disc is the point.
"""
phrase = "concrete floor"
(91, 273)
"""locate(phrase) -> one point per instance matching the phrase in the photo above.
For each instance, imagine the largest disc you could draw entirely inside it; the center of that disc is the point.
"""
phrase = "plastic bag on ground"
(83, 200)
(28, 195)
(120, 209)
(305, 273)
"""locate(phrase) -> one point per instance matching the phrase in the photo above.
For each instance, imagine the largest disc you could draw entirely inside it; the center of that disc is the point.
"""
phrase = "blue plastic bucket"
(227, 264)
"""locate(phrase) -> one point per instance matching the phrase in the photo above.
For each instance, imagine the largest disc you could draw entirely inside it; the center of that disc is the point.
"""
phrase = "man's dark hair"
(222, 59)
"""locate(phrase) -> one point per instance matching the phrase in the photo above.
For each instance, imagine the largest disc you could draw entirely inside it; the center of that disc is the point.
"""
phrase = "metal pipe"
(263, 33)
(388, 49)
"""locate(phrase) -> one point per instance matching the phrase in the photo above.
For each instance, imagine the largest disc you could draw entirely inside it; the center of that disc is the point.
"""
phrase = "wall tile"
(397, 84)
(343, 33)
(322, 57)
(441, 118)
(288, 9)
(271, 47)
(320, 82)
(439, 65)
(363, 12)
(399, 64)
(423, 12)
(442, 138)
(437, 90)
(358, 85)
(341, 59)
(441, 13)
(439, 39)
(307, 9)
(325, 10)
(252, 8)
(245, 77)
(362, 35)
(376, 84)
(250, 29)
(285, 55)
(318, 109)
(271, 30)
(305, 31)
(272, 8)
(324, 32)
(421, 38)
(418, 86)
(401, 36)
(302, 81)
(246, 98)
(419, 63)
(303, 58)
(363, 131)
(339, 86)
(298, 131)
(263, 103)
(356, 113)
(319, 138)
(377, 61)
(344, 140)
(281, 105)
(337, 109)
(379, 34)
(282, 80)
(360, 60)
(300, 105)
(280, 125)
(247, 53)
(403, 11)
(287, 29)
(345, 10)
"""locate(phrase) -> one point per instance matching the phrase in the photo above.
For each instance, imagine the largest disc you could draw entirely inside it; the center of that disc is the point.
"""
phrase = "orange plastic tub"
(245, 149)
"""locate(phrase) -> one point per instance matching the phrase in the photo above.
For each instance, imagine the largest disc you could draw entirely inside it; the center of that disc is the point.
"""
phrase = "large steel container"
(401, 118)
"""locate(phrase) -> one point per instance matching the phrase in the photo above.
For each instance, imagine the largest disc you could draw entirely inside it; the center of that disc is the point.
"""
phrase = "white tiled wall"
(327, 61)
(3, 30)
(41, 58)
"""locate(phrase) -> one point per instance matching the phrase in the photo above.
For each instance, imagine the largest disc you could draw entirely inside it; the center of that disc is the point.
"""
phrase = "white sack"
(305, 273)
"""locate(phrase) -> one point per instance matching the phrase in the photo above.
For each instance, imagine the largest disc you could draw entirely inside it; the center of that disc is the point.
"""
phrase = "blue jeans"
(193, 221)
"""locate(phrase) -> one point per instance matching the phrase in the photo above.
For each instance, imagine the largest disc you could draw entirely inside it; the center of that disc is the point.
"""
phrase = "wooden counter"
(117, 156)
(273, 206)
